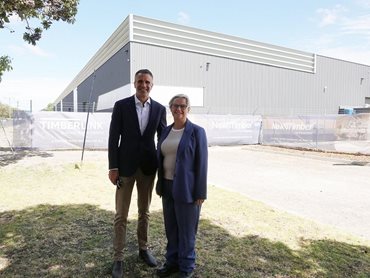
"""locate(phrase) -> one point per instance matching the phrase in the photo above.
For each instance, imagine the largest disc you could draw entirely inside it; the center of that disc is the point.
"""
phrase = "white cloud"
(348, 37)
(183, 18)
(330, 16)
(27, 49)
(17, 50)
(349, 24)
(359, 25)
(363, 3)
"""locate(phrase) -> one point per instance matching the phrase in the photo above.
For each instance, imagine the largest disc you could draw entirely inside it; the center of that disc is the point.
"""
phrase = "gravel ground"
(329, 188)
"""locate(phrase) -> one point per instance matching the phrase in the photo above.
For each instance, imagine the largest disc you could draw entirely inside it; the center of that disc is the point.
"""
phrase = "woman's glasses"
(181, 106)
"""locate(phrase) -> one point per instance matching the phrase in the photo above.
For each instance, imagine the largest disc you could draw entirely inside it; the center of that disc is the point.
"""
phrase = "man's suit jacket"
(190, 175)
(127, 148)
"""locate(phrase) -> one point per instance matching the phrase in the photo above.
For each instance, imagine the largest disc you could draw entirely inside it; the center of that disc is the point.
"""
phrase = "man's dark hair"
(144, 71)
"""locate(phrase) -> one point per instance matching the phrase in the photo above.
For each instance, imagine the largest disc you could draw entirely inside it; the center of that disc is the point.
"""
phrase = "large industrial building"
(222, 74)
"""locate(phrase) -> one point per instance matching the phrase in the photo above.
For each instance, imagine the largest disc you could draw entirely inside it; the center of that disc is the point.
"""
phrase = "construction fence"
(67, 130)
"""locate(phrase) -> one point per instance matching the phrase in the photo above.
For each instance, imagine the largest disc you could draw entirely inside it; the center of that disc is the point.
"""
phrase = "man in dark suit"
(132, 158)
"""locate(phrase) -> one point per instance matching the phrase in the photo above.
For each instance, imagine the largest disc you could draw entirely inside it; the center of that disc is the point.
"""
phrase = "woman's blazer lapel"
(185, 139)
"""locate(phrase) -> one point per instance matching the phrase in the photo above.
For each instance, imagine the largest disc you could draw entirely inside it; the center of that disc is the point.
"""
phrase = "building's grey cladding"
(113, 74)
(68, 103)
(237, 87)
(238, 76)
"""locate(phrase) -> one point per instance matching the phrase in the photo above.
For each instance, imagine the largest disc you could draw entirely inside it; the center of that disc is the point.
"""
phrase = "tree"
(5, 111)
(49, 107)
(5, 65)
(45, 12)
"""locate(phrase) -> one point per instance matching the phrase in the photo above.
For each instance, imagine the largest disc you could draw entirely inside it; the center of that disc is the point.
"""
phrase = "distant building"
(222, 74)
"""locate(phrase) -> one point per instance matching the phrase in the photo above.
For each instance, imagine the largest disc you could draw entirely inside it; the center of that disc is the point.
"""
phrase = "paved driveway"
(331, 191)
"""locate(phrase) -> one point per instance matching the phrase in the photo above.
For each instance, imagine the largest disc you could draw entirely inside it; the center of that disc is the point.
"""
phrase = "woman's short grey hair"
(179, 96)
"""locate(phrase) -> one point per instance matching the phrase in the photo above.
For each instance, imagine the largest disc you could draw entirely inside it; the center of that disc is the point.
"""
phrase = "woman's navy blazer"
(190, 175)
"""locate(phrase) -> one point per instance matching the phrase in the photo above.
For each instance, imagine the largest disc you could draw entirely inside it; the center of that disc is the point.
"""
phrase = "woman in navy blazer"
(182, 183)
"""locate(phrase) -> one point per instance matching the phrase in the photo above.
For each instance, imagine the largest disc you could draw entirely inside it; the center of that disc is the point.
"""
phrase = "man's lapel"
(133, 113)
(152, 120)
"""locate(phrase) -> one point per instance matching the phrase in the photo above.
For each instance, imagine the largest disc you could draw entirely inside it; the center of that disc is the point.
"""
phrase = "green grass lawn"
(56, 221)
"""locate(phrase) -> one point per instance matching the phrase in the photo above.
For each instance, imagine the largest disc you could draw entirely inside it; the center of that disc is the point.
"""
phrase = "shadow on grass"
(8, 157)
(76, 241)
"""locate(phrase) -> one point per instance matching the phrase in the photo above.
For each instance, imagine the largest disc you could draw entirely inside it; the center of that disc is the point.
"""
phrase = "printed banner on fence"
(66, 130)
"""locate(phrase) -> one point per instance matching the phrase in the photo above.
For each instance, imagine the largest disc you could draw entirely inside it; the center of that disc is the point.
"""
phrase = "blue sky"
(339, 29)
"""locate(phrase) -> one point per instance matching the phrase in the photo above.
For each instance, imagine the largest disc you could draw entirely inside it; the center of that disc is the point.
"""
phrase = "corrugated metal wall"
(161, 33)
(239, 87)
(68, 103)
(238, 76)
(114, 73)
(118, 40)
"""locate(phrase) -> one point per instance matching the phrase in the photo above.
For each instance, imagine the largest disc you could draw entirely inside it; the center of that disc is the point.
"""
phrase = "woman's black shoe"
(167, 270)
